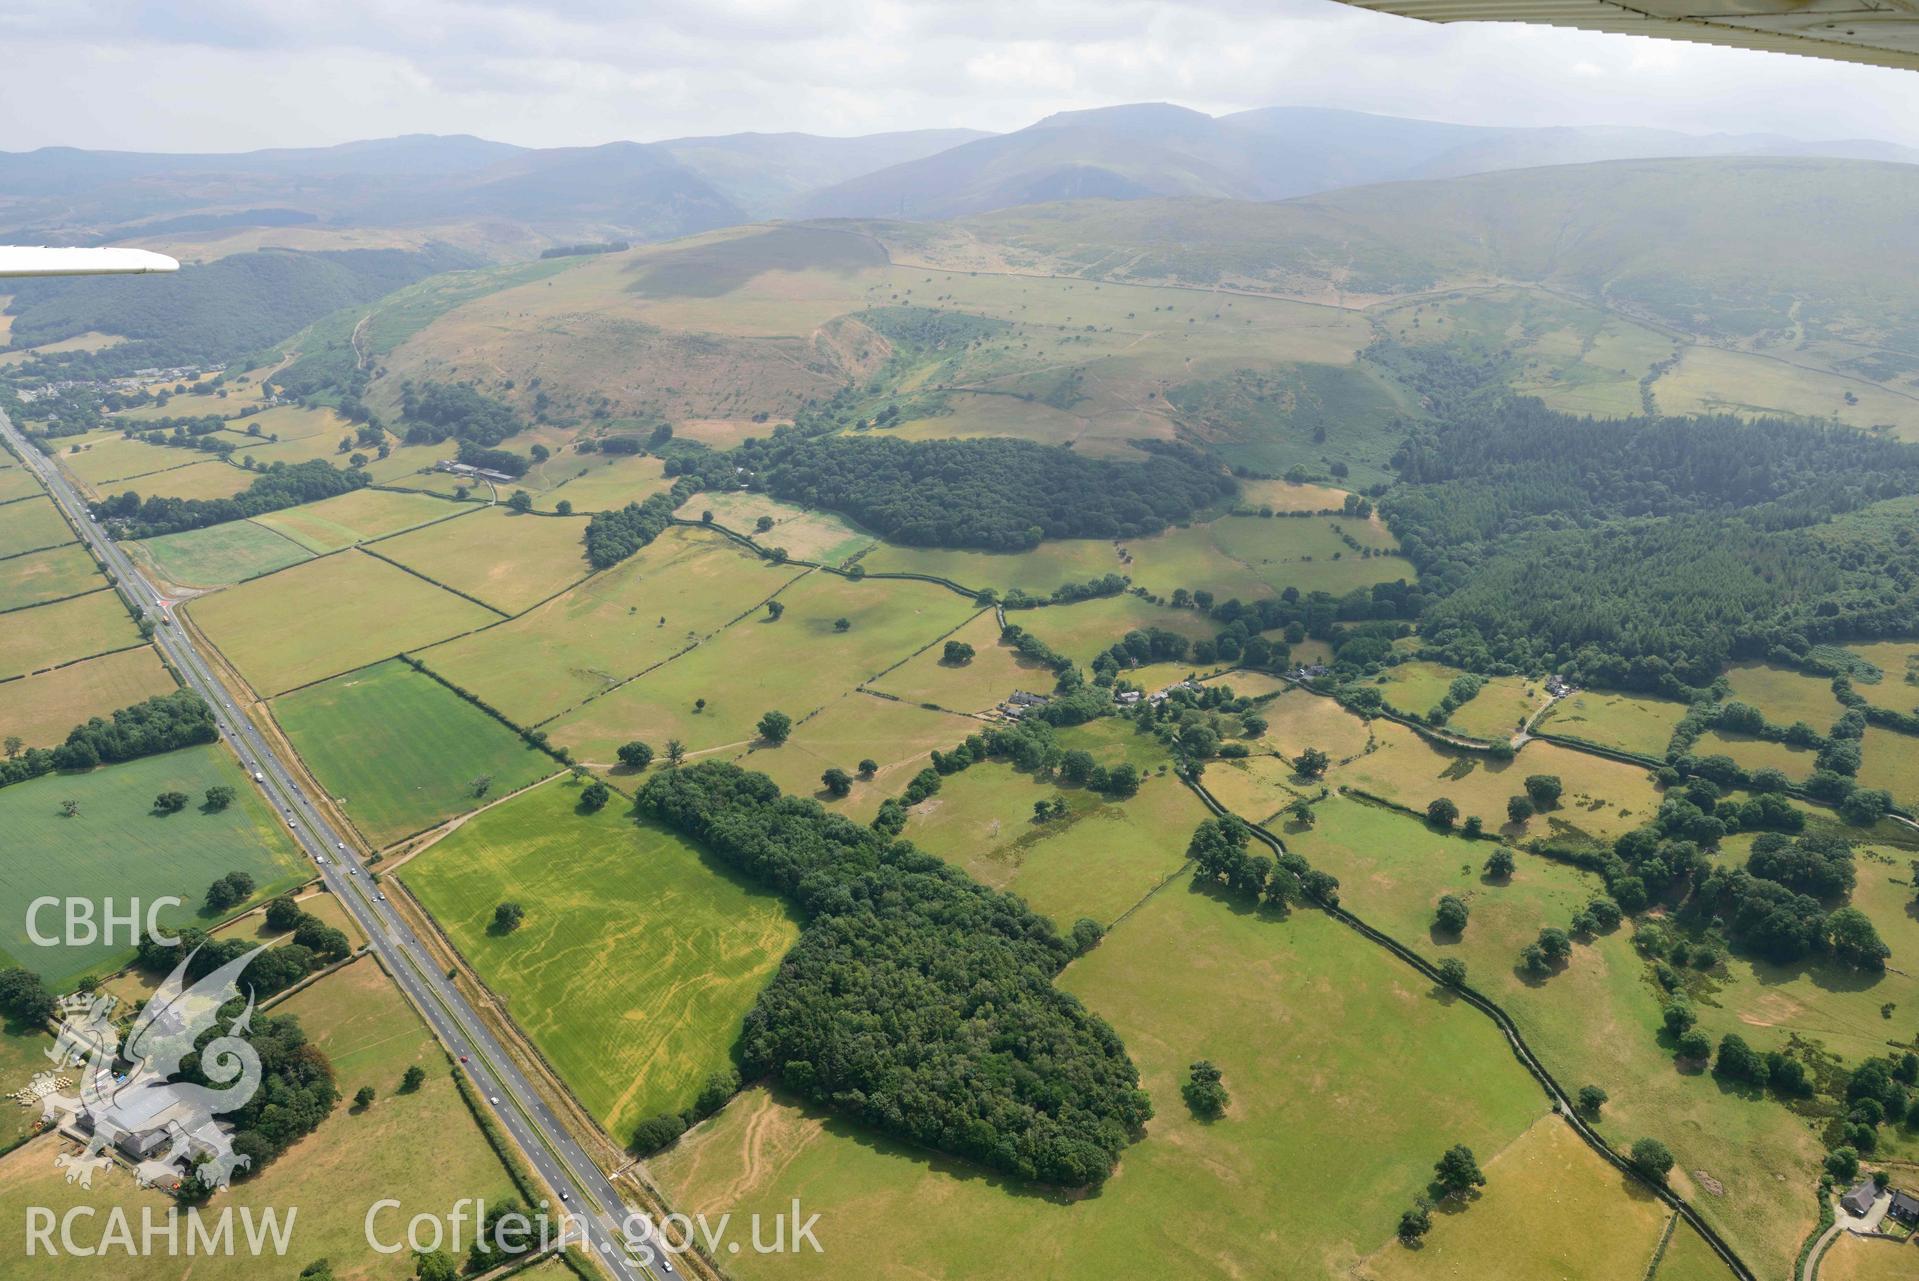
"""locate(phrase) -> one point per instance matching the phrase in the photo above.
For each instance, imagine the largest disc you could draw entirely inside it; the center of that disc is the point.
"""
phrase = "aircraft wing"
(1883, 33)
(20, 260)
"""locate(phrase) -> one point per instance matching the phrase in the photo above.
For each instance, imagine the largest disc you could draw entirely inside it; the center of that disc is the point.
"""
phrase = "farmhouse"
(468, 469)
(1904, 1208)
(1858, 1202)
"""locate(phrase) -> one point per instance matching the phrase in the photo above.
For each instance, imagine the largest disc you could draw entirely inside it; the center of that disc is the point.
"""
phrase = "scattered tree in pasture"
(1500, 864)
(594, 796)
(635, 755)
(956, 653)
(1450, 916)
(1591, 1100)
(218, 797)
(1457, 1172)
(414, 1078)
(1654, 1158)
(1441, 812)
(869, 767)
(1544, 789)
(1311, 763)
(169, 802)
(1518, 809)
(837, 782)
(507, 917)
(1204, 1091)
(363, 1098)
(774, 727)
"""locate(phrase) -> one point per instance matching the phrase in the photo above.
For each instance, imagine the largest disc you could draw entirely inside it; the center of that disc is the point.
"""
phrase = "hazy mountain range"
(664, 189)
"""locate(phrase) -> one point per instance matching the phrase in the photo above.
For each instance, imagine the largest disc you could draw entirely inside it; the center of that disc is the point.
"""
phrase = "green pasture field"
(1098, 861)
(402, 752)
(1786, 696)
(1757, 753)
(1890, 760)
(1622, 721)
(31, 526)
(1604, 1225)
(220, 555)
(1251, 684)
(1502, 705)
(1037, 572)
(16, 483)
(52, 575)
(1347, 1079)
(1603, 799)
(1086, 628)
(1270, 415)
(117, 846)
(1297, 720)
(401, 469)
(40, 709)
(62, 632)
(675, 592)
(857, 726)
(1596, 1021)
(1689, 1258)
(1415, 688)
(806, 535)
(1711, 380)
(328, 1181)
(1251, 557)
(1898, 687)
(795, 664)
(972, 687)
(304, 449)
(354, 609)
(359, 516)
(601, 482)
(23, 1055)
(508, 559)
(295, 422)
(637, 959)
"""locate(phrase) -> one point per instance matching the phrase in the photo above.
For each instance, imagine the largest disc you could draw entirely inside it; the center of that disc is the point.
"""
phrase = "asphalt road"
(520, 1110)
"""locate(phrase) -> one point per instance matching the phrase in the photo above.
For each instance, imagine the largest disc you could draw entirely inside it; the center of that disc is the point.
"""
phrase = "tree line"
(282, 485)
(160, 724)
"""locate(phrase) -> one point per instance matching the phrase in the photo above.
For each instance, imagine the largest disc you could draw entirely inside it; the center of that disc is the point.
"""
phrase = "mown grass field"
(637, 958)
(510, 560)
(1251, 557)
(1890, 760)
(401, 752)
(1499, 709)
(1898, 686)
(1641, 725)
(794, 664)
(70, 629)
(1347, 1079)
(40, 709)
(1596, 1021)
(31, 526)
(423, 1149)
(978, 685)
(117, 846)
(675, 592)
(110, 459)
(1854, 1258)
(897, 737)
(1098, 861)
(1602, 800)
(1603, 1223)
(1415, 688)
(1786, 696)
(1086, 628)
(17, 482)
(220, 555)
(1283, 496)
(39, 577)
(1038, 572)
(806, 535)
(351, 609)
(358, 516)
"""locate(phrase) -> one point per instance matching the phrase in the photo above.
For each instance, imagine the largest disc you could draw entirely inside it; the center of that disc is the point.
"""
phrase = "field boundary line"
(368, 551)
(467, 509)
(1561, 1102)
(15, 609)
(24, 498)
(1659, 1251)
(447, 826)
(883, 673)
(29, 551)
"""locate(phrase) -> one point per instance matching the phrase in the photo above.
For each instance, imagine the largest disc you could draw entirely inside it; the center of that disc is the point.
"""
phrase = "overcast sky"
(224, 75)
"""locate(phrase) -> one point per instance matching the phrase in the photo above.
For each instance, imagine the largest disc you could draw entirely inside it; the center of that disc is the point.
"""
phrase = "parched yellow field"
(976, 686)
(41, 709)
(1712, 380)
(211, 479)
(1640, 725)
(1283, 496)
(31, 526)
(70, 629)
(1898, 688)
(794, 664)
(358, 516)
(38, 577)
(1603, 1223)
(675, 592)
(295, 422)
(110, 459)
(1603, 799)
(806, 535)
(1854, 1258)
(16, 482)
(1297, 720)
(353, 609)
(1502, 706)
(510, 560)
(1257, 788)
(1786, 696)
(898, 737)
(1084, 629)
